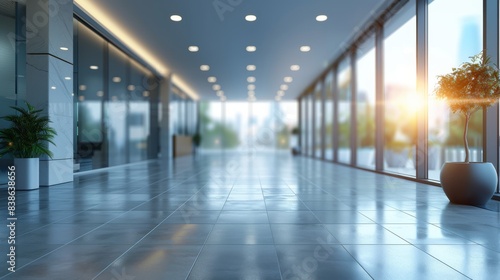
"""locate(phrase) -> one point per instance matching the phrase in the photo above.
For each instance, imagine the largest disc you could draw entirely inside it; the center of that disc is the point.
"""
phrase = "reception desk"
(182, 145)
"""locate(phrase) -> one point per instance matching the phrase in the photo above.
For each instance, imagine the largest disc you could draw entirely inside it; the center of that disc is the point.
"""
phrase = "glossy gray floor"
(248, 217)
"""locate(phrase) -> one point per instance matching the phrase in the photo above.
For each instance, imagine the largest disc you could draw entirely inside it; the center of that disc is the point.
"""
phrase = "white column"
(49, 80)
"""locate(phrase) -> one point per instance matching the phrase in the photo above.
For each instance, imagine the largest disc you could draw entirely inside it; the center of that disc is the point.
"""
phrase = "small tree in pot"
(472, 86)
(27, 139)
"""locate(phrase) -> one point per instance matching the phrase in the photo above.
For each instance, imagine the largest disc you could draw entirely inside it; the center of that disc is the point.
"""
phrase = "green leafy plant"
(197, 139)
(472, 86)
(28, 135)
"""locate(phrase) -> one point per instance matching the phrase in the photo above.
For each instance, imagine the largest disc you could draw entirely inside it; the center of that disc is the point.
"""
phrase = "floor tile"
(321, 261)
(272, 217)
(153, 262)
(227, 262)
(400, 262)
(241, 234)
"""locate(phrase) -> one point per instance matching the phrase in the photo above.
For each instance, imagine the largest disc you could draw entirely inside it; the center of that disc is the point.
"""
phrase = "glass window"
(91, 92)
(303, 124)
(138, 114)
(329, 117)
(455, 34)
(8, 59)
(365, 102)
(286, 120)
(116, 108)
(310, 124)
(344, 107)
(211, 125)
(318, 100)
(235, 131)
(401, 102)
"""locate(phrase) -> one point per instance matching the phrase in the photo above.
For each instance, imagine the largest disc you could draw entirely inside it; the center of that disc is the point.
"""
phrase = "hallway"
(243, 216)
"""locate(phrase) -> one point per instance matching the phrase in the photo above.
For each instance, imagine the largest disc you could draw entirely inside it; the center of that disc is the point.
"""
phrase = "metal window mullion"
(379, 97)
(491, 115)
(422, 148)
(354, 117)
(335, 93)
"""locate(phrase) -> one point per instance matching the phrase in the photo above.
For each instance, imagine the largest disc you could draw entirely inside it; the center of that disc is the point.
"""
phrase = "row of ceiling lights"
(251, 79)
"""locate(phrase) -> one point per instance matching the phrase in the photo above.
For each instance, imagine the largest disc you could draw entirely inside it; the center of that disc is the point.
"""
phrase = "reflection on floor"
(248, 217)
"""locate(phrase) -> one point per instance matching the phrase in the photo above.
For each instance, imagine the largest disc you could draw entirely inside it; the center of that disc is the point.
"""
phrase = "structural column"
(165, 137)
(49, 80)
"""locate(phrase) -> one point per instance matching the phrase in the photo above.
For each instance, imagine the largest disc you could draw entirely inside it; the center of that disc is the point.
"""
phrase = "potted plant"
(196, 141)
(26, 139)
(472, 86)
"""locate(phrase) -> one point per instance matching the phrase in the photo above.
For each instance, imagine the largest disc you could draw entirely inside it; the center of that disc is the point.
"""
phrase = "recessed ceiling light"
(251, 48)
(193, 48)
(204, 67)
(216, 87)
(220, 93)
(288, 79)
(295, 67)
(81, 98)
(131, 87)
(251, 93)
(117, 79)
(212, 79)
(223, 98)
(251, 87)
(145, 93)
(251, 79)
(64, 49)
(250, 18)
(305, 48)
(284, 87)
(251, 67)
(82, 87)
(175, 18)
(321, 18)
(94, 67)
(67, 78)
(280, 93)
(53, 88)
(100, 93)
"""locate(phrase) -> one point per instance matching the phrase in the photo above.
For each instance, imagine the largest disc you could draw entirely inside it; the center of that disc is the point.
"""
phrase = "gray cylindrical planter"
(469, 183)
(27, 173)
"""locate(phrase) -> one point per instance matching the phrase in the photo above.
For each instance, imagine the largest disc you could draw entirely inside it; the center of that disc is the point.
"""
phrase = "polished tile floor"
(243, 216)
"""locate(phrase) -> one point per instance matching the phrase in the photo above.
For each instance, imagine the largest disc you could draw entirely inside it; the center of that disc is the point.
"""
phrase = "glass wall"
(12, 66)
(114, 103)
(116, 109)
(344, 107)
(303, 125)
(365, 102)
(248, 126)
(329, 117)
(91, 142)
(310, 125)
(455, 34)
(400, 96)
(318, 115)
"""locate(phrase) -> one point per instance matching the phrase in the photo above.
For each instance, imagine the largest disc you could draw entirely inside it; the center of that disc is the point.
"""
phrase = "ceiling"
(219, 29)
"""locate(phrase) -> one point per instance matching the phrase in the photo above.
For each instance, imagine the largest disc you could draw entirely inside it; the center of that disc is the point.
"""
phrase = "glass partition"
(365, 102)
(401, 100)
(329, 117)
(455, 34)
(344, 107)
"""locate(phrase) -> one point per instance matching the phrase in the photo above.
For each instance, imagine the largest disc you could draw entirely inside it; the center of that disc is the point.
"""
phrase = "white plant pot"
(27, 173)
